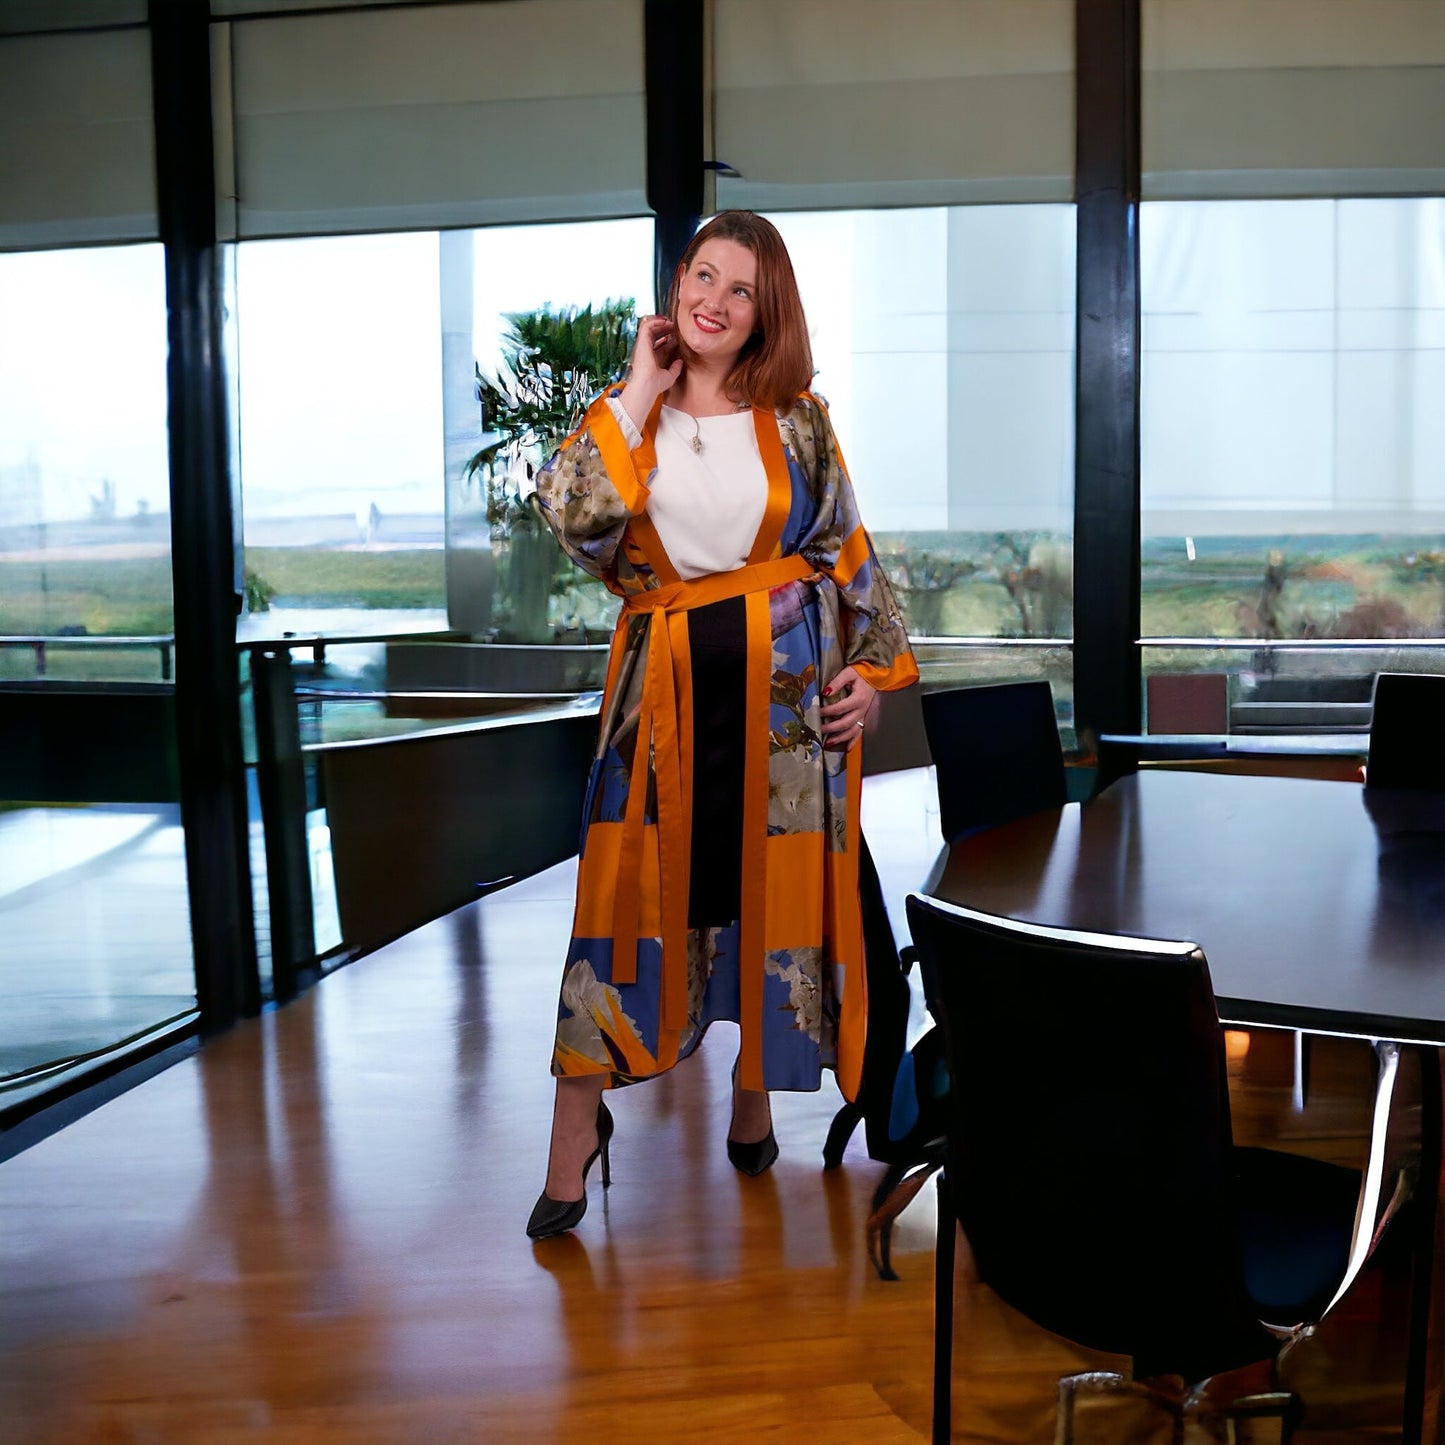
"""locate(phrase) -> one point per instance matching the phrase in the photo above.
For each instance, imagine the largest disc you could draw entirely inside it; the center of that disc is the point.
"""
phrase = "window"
(340, 434)
(93, 898)
(1292, 256)
(1293, 446)
(499, 272)
(84, 475)
(944, 344)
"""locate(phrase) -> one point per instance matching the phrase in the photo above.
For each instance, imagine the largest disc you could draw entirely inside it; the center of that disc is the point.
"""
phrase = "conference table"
(1319, 905)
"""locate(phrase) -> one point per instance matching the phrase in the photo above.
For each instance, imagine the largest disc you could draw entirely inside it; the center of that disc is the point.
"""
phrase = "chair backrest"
(889, 1000)
(1181, 703)
(1090, 1144)
(997, 753)
(1407, 732)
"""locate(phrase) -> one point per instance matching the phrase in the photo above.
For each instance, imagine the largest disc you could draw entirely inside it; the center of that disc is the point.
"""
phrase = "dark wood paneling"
(421, 825)
(114, 744)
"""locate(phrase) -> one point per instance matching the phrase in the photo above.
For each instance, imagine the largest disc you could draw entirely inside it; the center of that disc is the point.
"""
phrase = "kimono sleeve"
(593, 484)
(874, 639)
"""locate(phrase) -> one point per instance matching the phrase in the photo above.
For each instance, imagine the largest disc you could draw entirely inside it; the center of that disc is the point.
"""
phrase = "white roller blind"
(434, 116)
(1293, 98)
(19, 16)
(914, 102)
(77, 163)
(222, 8)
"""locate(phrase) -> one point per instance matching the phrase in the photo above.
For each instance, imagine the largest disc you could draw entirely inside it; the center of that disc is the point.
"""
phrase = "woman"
(718, 875)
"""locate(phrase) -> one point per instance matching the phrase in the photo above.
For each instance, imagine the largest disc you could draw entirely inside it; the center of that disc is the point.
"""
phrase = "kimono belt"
(664, 733)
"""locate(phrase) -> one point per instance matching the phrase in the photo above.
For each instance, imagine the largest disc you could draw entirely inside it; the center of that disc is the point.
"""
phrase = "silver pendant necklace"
(695, 441)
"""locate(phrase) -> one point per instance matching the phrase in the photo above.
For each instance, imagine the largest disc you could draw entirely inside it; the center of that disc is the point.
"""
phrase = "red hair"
(777, 362)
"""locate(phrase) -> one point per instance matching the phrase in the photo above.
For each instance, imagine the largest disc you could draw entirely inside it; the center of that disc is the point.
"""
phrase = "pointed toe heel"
(556, 1216)
(753, 1159)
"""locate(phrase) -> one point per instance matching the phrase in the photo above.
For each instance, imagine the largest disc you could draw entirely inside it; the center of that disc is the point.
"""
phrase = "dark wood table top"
(1319, 905)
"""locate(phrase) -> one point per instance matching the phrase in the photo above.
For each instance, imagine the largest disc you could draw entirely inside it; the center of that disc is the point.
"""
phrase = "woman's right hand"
(655, 366)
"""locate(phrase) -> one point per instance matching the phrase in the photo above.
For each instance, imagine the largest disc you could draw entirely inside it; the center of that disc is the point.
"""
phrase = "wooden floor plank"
(312, 1231)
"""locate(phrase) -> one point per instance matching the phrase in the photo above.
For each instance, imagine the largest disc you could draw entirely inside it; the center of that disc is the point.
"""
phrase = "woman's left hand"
(847, 701)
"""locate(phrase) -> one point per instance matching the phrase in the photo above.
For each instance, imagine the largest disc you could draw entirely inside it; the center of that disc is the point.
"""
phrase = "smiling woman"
(719, 863)
(716, 299)
(736, 320)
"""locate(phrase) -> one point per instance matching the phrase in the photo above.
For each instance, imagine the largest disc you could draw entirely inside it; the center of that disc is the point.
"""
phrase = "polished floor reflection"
(95, 943)
(312, 1231)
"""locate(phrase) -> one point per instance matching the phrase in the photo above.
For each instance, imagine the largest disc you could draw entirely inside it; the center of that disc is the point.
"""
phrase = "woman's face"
(717, 302)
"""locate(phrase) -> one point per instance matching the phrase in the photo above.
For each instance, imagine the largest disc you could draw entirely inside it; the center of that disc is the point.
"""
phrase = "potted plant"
(553, 363)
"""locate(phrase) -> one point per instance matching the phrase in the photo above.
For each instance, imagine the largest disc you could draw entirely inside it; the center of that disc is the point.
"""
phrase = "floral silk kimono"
(643, 979)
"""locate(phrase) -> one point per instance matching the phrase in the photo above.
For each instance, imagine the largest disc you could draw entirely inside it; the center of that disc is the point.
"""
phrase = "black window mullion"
(675, 95)
(212, 770)
(1107, 674)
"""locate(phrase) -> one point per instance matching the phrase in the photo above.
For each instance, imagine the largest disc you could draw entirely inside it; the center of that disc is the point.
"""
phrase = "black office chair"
(1407, 732)
(889, 1002)
(1091, 1163)
(1120, 755)
(997, 753)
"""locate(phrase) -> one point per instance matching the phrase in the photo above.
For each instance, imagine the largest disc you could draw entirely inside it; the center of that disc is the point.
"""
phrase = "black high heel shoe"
(556, 1216)
(752, 1159)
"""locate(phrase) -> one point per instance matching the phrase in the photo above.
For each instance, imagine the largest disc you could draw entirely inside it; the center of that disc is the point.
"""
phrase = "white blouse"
(707, 506)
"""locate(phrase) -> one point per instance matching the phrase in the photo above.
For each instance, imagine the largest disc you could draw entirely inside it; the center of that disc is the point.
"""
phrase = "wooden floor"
(312, 1231)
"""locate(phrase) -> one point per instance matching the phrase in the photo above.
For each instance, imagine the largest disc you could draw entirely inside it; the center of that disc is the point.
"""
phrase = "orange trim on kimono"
(902, 673)
(628, 468)
(682, 662)
(846, 918)
(645, 535)
(795, 889)
(851, 556)
(753, 903)
(666, 700)
(625, 921)
(769, 540)
(596, 874)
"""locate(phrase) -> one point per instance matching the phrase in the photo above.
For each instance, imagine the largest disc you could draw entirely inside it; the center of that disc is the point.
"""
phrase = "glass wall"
(526, 275)
(84, 490)
(338, 380)
(920, 165)
(357, 361)
(335, 369)
(93, 900)
(1292, 242)
(1293, 446)
(944, 344)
